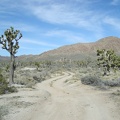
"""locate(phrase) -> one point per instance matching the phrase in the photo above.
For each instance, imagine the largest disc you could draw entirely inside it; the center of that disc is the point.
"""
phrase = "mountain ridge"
(86, 48)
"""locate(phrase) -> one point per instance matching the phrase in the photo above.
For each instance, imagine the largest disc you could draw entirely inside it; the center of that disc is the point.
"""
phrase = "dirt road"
(64, 101)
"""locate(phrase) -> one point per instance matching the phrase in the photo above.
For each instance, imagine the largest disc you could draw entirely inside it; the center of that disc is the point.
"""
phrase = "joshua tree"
(107, 60)
(9, 42)
(37, 65)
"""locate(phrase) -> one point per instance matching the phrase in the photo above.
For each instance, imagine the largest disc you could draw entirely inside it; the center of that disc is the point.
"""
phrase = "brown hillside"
(109, 43)
(85, 48)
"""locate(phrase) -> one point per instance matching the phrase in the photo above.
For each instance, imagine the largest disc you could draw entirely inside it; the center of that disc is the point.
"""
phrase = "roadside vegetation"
(4, 86)
(102, 72)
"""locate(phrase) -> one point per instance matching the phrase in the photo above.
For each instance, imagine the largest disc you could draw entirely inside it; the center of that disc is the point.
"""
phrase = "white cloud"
(115, 2)
(18, 25)
(14, 9)
(113, 22)
(27, 48)
(61, 13)
(77, 13)
(69, 36)
(38, 42)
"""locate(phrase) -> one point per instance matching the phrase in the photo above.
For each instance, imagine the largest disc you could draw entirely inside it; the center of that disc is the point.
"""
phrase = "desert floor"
(55, 99)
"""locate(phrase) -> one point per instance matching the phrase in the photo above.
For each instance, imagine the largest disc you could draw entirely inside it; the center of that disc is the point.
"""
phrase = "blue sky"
(49, 24)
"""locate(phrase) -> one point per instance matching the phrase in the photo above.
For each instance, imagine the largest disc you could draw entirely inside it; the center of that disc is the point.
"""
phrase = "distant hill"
(3, 58)
(76, 51)
(83, 50)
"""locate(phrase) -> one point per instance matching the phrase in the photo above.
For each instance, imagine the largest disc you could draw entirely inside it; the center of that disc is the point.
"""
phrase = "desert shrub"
(37, 79)
(112, 83)
(4, 87)
(95, 81)
(91, 80)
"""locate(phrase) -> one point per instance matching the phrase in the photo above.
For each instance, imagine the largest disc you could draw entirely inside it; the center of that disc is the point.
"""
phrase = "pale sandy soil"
(28, 68)
(54, 99)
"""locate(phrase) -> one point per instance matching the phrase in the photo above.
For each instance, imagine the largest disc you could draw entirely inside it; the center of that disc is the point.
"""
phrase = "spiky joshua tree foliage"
(10, 43)
(107, 59)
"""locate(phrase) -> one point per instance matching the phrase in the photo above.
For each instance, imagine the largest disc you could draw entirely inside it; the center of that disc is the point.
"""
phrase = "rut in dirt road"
(70, 102)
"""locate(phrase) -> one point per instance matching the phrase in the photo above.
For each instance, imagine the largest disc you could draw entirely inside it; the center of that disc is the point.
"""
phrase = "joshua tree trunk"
(12, 68)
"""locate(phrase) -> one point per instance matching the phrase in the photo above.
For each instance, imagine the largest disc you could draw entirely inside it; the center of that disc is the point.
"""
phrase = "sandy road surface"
(68, 102)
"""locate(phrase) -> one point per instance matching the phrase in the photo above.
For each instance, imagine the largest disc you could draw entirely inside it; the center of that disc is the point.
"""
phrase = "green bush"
(4, 87)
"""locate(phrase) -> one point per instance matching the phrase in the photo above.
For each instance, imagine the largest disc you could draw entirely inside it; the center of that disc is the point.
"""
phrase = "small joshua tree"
(9, 42)
(107, 60)
(104, 60)
(37, 65)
